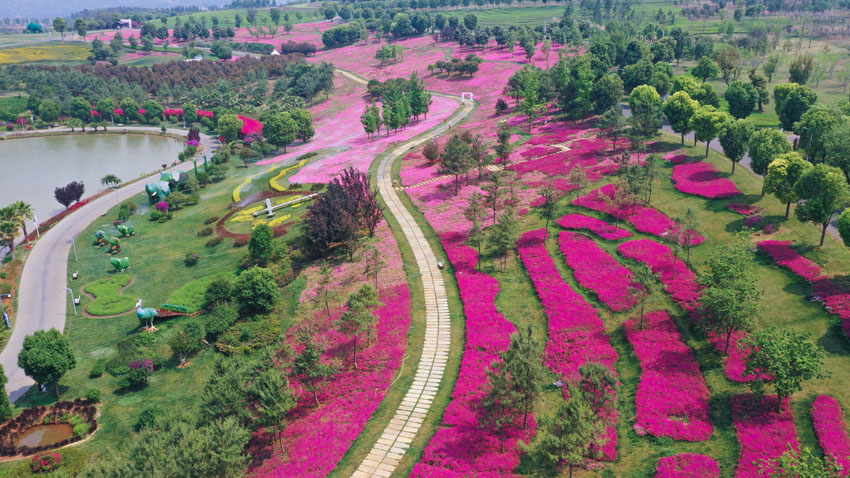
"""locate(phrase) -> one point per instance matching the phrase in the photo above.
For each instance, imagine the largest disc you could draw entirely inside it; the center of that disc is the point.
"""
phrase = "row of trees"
(401, 101)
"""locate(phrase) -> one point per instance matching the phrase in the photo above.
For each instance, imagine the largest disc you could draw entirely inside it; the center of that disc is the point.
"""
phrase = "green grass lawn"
(54, 52)
(227, 17)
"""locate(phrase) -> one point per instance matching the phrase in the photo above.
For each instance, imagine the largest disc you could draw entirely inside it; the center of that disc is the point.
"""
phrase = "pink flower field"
(672, 398)
(645, 219)
(834, 293)
(603, 229)
(687, 465)
(342, 129)
(576, 333)
(763, 433)
(596, 270)
(681, 283)
(828, 418)
(349, 399)
(700, 179)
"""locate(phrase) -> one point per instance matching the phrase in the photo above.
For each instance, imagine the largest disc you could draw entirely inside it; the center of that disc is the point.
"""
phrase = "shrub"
(240, 242)
(147, 419)
(256, 290)
(93, 395)
(316, 187)
(156, 215)
(213, 242)
(97, 369)
(220, 319)
(191, 259)
(164, 218)
(45, 462)
(207, 231)
(210, 220)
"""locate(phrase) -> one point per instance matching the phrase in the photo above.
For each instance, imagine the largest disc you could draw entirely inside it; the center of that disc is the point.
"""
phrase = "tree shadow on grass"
(834, 341)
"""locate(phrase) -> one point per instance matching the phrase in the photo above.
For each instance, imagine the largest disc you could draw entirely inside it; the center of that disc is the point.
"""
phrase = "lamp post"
(37, 232)
(74, 243)
(73, 300)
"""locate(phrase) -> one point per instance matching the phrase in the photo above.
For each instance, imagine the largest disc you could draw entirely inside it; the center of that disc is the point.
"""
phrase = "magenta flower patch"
(645, 219)
(603, 229)
(672, 398)
(687, 465)
(596, 270)
(828, 418)
(700, 179)
(763, 433)
(576, 333)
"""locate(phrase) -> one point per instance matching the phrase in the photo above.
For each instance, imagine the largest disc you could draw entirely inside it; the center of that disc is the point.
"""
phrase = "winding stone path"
(43, 298)
(396, 438)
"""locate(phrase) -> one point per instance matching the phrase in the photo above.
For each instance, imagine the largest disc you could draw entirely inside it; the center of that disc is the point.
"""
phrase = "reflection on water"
(44, 435)
(31, 168)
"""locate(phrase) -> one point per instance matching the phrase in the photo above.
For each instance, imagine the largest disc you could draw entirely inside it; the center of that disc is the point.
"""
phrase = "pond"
(31, 168)
(45, 435)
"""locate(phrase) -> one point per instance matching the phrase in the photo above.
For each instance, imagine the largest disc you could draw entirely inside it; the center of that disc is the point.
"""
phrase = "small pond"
(31, 168)
(45, 435)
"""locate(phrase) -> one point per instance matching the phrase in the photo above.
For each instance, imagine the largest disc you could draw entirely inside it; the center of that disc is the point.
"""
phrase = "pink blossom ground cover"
(681, 283)
(763, 433)
(461, 447)
(700, 179)
(744, 209)
(672, 398)
(350, 398)
(687, 465)
(828, 418)
(584, 153)
(416, 169)
(603, 229)
(341, 128)
(538, 151)
(596, 270)
(576, 333)
(301, 32)
(645, 219)
(676, 157)
(834, 292)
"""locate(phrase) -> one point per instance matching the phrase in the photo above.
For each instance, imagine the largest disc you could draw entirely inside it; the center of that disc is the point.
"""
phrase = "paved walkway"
(396, 438)
(43, 298)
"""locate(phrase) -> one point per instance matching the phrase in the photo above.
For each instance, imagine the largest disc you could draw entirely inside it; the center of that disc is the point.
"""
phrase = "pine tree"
(501, 405)
(455, 159)
(548, 209)
(478, 153)
(503, 147)
(359, 317)
(525, 365)
(418, 98)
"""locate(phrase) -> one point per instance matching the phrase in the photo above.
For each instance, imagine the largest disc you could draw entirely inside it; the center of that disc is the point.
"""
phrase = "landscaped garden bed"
(78, 417)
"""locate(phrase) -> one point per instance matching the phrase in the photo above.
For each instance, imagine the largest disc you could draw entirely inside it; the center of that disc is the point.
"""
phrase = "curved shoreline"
(42, 296)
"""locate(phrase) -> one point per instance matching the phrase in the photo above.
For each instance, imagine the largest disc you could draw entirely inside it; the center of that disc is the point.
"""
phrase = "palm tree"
(8, 232)
(23, 212)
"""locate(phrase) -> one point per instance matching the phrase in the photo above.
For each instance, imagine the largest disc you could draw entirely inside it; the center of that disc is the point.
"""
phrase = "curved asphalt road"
(42, 297)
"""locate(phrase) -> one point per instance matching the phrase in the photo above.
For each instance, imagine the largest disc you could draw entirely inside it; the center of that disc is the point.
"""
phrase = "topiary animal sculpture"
(146, 315)
(114, 246)
(127, 230)
(120, 263)
(99, 239)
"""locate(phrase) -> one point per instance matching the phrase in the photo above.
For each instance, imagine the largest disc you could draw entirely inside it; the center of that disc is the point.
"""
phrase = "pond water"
(31, 168)
(45, 435)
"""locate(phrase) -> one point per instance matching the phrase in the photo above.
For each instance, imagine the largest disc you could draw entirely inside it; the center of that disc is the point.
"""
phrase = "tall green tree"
(837, 146)
(823, 193)
(274, 398)
(706, 69)
(742, 99)
(787, 356)
(792, 101)
(60, 26)
(229, 126)
(815, 127)
(503, 235)
(260, 244)
(256, 290)
(782, 174)
(280, 130)
(607, 93)
(679, 108)
(46, 356)
(503, 145)
(418, 97)
(729, 300)
(646, 119)
(548, 209)
(574, 435)
(456, 158)
(359, 316)
(707, 122)
(49, 111)
(613, 124)
(81, 27)
(735, 139)
(801, 69)
(766, 145)
(500, 406)
(309, 366)
(523, 362)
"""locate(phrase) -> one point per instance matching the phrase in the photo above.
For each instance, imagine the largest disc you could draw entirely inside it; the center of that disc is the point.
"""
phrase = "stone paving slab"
(400, 432)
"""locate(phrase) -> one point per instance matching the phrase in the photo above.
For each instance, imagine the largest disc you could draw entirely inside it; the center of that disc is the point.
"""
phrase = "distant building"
(125, 23)
(336, 19)
(274, 52)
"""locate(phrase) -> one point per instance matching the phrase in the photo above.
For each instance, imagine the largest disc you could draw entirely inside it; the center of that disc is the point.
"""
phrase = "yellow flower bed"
(287, 199)
(237, 193)
(279, 220)
(258, 222)
(242, 218)
(273, 182)
(54, 52)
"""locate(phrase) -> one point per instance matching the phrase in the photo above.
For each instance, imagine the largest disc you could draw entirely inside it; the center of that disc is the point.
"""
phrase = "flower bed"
(828, 418)
(645, 219)
(576, 333)
(672, 398)
(834, 292)
(596, 270)
(539, 151)
(603, 229)
(584, 153)
(687, 465)
(53, 414)
(700, 179)
(763, 433)
(744, 209)
(350, 398)
(681, 283)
